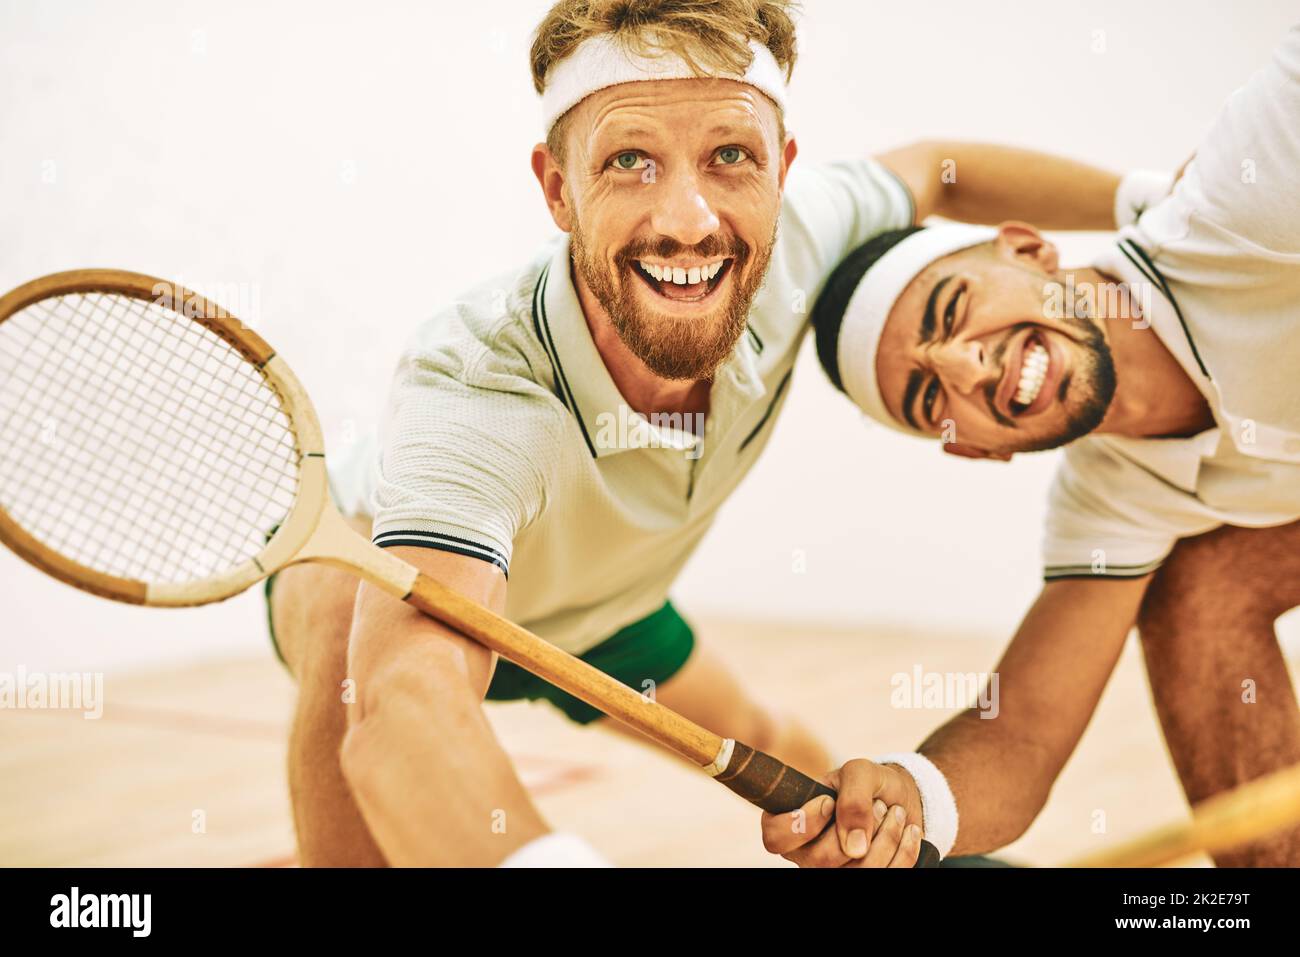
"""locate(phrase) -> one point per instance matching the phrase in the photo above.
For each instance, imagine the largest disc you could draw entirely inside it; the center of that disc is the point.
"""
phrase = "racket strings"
(138, 442)
(83, 438)
(86, 437)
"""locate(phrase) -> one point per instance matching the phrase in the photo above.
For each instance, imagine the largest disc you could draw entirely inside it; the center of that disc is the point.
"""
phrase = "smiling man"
(576, 423)
(1170, 370)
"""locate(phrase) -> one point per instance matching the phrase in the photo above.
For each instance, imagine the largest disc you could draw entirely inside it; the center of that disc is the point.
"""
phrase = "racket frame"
(313, 530)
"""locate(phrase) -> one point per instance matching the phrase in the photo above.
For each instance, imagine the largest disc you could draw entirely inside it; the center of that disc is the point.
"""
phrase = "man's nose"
(962, 365)
(682, 211)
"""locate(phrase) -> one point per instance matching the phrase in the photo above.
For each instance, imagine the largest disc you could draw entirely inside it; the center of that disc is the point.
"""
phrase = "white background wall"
(350, 166)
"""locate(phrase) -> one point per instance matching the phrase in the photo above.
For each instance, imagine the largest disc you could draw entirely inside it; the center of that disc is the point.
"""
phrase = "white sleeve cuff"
(938, 807)
(1138, 191)
(556, 850)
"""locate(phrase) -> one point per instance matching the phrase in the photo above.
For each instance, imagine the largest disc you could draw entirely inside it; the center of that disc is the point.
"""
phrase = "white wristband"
(556, 850)
(938, 807)
(1138, 191)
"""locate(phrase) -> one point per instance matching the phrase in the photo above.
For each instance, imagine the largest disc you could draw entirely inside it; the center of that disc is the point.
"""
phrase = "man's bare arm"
(1000, 769)
(1050, 679)
(984, 183)
(432, 782)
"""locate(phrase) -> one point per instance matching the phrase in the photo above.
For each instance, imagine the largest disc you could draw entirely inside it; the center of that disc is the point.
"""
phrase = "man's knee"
(1227, 580)
(311, 614)
(756, 726)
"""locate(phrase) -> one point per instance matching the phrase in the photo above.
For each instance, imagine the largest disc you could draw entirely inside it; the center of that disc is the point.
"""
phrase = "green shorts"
(270, 619)
(652, 649)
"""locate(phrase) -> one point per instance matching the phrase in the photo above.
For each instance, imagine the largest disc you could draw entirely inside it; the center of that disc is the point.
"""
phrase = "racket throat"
(335, 542)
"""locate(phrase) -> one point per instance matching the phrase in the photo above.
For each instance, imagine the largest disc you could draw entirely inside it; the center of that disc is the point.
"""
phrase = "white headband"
(603, 61)
(877, 291)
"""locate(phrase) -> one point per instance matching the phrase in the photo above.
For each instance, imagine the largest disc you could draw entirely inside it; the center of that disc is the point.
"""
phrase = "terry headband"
(603, 61)
(868, 308)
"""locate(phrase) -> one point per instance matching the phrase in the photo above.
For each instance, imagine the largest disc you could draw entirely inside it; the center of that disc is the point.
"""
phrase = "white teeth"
(680, 274)
(1033, 372)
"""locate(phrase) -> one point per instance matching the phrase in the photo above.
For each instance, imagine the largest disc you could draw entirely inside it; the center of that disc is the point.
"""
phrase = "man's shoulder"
(830, 193)
(1239, 195)
(801, 258)
(827, 210)
(485, 337)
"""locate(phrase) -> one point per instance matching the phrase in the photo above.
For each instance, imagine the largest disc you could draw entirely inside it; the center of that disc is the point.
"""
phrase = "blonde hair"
(711, 36)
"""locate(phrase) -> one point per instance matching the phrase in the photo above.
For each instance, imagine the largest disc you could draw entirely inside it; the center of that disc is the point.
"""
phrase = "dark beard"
(1097, 385)
(674, 348)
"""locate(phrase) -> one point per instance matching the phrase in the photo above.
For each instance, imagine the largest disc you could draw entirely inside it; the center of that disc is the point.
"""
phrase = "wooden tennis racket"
(150, 442)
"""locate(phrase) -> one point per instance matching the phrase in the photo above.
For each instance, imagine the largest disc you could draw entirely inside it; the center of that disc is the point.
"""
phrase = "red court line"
(560, 775)
(555, 775)
(164, 719)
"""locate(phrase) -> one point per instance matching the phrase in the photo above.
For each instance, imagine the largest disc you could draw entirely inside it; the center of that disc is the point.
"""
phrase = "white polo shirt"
(1222, 255)
(507, 440)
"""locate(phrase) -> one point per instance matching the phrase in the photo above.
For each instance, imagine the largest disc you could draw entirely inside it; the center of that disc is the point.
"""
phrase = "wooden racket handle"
(778, 788)
(613, 698)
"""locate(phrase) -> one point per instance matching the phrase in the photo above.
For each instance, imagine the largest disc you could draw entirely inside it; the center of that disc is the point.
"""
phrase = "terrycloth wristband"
(938, 807)
(1138, 191)
(556, 850)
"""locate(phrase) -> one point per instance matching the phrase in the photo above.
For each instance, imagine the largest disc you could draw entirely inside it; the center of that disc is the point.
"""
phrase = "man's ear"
(1023, 243)
(970, 452)
(550, 176)
(788, 152)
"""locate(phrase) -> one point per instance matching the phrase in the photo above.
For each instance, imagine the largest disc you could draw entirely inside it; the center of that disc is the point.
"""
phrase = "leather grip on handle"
(777, 788)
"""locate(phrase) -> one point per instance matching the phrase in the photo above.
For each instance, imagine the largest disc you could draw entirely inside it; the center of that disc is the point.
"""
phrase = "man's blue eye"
(730, 155)
(627, 160)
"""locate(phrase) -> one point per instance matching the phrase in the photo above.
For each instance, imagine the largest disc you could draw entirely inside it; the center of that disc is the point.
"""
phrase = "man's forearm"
(999, 783)
(1001, 769)
(985, 183)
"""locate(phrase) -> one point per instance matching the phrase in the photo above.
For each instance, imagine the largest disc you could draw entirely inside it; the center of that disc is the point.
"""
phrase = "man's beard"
(672, 347)
(1093, 379)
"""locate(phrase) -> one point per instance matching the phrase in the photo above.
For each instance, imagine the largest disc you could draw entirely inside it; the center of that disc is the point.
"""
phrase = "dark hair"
(828, 312)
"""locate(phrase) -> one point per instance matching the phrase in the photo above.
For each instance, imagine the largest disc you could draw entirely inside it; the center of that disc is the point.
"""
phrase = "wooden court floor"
(186, 767)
